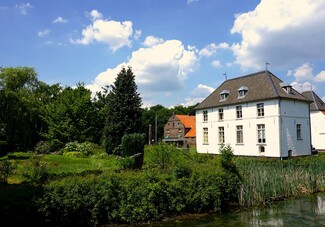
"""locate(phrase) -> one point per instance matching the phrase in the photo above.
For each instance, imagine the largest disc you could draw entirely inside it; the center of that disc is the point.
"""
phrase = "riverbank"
(171, 183)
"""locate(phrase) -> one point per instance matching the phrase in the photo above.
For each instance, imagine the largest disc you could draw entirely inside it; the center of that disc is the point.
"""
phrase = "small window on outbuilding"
(224, 95)
(242, 92)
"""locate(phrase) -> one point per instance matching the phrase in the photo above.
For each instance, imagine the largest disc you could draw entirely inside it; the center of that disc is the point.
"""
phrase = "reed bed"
(269, 179)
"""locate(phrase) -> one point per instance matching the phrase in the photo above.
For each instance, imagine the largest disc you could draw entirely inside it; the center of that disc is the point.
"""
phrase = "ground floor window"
(205, 136)
(239, 132)
(221, 135)
(261, 133)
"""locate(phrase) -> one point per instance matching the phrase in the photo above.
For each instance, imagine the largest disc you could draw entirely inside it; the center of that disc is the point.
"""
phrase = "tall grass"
(268, 179)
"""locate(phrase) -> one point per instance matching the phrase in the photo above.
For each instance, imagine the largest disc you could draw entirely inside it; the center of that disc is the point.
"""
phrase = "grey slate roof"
(261, 86)
(317, 103)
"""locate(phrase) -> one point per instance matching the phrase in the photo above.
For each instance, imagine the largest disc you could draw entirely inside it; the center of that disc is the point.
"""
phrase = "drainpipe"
(280, 131)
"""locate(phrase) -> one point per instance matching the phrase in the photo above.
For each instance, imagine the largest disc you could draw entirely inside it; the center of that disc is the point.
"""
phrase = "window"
(179, 133)
(205, 115)
(298, 128)
(286, 87)
(260, 109)
(220, 114)
(261, 149)
(205, 136)
(221, 135)
(240, 135)
(239, 113)
(261, 133)
(242, 91)
(224, 95)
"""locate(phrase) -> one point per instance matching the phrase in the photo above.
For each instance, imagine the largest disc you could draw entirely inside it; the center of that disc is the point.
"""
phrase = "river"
(303, 211)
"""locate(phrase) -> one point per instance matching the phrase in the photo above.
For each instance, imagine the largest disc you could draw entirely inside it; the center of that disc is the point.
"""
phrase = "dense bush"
(132, 145)
(5, 169)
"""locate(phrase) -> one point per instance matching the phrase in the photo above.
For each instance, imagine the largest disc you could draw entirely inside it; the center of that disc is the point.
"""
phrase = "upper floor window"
(260, 109)
(205, 136)
(205, 115)
(239, 113)
(298, 128)
(261, 133)
(220, 111)
(242, 91)
(224, 95)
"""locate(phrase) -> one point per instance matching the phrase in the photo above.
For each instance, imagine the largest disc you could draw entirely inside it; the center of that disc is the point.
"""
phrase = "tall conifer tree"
(124, 110)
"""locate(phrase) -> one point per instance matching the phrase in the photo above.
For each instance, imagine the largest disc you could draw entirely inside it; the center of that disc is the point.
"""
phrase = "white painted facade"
(317, 119)
(280, 120)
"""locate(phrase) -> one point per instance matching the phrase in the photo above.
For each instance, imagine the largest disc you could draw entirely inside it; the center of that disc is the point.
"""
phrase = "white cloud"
(320, 77)
(323, 98)
(283, 32)
(95, 15)
(152, 41)
(24, 7)
(198, 95)
(158, 69)
(44, 32)
(60, 20)
(113, 33)
(212, 48)
(216, 64)
(300, 87)
(137, 34)
(303, 72)
(191, 1)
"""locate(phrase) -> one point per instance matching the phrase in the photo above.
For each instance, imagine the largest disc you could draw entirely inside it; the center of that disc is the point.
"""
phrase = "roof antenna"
(225, 74)
(266, 64)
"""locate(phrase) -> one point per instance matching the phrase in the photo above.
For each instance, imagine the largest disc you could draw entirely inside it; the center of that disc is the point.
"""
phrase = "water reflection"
(303, 211)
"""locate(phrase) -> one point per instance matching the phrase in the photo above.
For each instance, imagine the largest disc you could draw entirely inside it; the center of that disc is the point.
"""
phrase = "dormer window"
(224, 95)
(286, 87)
(242, 91)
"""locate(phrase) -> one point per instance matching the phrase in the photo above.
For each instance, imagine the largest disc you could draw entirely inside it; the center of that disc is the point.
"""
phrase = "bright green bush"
(132, 145)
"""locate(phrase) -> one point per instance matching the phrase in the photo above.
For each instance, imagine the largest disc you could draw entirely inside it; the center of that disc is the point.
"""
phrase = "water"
(302, 211)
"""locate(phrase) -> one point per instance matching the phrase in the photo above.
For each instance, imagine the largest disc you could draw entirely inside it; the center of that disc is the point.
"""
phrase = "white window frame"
(205, 136)
(221, 133)
(205, 115)
(261, 138)
(239, 112)
(239, 134)
(220, 114)
(260, 109)
(298, 130)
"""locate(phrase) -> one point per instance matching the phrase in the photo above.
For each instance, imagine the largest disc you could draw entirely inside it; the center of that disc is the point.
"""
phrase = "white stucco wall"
(293, 113)
(317, 119)
(249, 121)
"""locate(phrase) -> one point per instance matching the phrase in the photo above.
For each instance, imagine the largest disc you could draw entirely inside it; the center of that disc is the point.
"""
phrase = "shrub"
(86, 148)
(37, 172)
(133, 146)
(161, 155)
(74, 154)
(43, 147)
(5, 170)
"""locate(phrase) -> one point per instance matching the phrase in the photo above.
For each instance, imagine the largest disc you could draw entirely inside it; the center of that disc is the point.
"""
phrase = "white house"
(317, 119)
(258, 115)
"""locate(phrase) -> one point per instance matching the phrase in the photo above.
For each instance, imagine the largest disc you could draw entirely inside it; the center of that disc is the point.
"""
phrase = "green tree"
(69, 116)
(20, 99)
(124, 110)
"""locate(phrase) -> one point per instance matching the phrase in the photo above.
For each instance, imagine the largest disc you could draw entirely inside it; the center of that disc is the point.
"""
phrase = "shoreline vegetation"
(88, 187)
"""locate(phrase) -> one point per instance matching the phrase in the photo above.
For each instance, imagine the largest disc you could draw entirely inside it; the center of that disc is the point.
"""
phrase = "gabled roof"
(317, 103)
(188, 122)
(261, 86)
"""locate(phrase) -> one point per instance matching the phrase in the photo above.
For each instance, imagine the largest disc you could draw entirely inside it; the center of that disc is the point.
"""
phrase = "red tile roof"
(188, 122)
(323, 112)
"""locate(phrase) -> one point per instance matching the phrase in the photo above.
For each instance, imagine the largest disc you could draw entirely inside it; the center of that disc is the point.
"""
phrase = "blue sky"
(179, 50)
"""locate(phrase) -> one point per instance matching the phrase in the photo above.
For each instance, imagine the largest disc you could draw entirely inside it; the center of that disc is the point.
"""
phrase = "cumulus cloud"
(216, 64)
(283, 32)
(24, 7)
(44, 32)
(60, 20)
(212, 48)
(152, 41)
(198, 95)
(301, 87)
(113, 33)
(159, 69)
(137, 34)
(95, 15)
(303, 72)
(320, 77)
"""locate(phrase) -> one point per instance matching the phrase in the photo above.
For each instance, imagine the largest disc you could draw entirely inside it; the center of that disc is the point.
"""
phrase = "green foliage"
(74, 154)
(20, 155)
(5, 170)
(133, 146)
(43, 147)
(37, 171)
(124, 110)
(161, 155)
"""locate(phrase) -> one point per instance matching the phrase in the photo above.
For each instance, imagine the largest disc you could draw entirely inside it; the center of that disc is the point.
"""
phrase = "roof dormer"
(242, 91)
(224, 95)
(286, 87)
